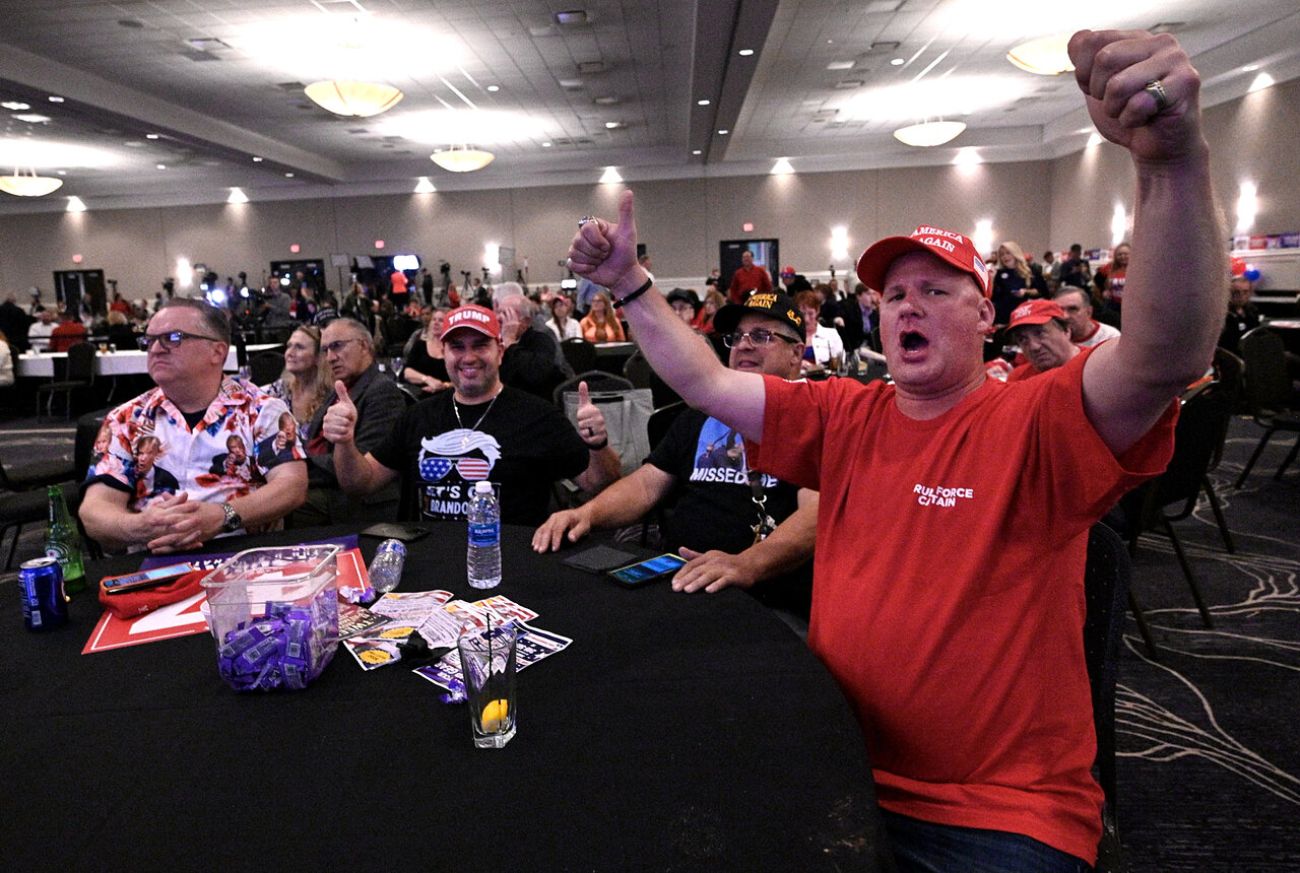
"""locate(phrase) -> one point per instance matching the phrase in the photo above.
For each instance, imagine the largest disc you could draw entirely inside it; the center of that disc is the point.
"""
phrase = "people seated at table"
(305, 381)
(1041, 330)
(153, 485)
(1242, 315)
(481, 430)
(350, 361)
(119, 332)
(601, 324)
(424, 365)
(823, 349)
(562, 325)
(533, 360)
(700, 471)
(948, 597)
(38, 334)
(713, 303)
(1085, 331)
(68, 332)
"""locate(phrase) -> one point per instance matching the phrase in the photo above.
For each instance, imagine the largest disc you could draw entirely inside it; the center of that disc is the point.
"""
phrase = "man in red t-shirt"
(948, 574)
(1041, 330)
(67, 333)
(748, 279)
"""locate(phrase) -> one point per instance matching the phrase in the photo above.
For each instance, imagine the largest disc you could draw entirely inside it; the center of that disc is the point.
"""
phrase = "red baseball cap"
(787, 271)
(1237, 268)
(475, 318)
(949, 247)
(1035, 312)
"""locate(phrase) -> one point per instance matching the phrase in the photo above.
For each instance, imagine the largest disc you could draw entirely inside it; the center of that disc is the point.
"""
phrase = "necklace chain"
(455, 407)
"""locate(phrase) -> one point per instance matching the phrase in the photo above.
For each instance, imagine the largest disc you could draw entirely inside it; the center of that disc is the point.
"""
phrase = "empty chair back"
(81, 362)
(1202, 422)
(266, 367)
(637, 370)
(1267, 384)
(580, 354)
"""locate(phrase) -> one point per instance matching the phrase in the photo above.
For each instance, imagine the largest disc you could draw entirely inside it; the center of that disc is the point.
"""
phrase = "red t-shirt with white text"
(948, 594)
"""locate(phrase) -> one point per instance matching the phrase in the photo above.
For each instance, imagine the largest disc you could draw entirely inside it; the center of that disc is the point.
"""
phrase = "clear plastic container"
(274, 613)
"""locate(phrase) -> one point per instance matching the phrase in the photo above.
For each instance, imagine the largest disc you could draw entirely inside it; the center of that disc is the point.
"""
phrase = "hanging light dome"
(353, 99)
(929, 133)
(1045, 56)
(462, 159)
(30, 185)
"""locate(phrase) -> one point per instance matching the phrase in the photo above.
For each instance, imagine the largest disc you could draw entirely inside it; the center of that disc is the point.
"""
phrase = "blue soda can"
(40, 582)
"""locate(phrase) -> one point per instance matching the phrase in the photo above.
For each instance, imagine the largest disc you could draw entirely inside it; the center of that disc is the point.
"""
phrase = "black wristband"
(618, 304)
(602, 445)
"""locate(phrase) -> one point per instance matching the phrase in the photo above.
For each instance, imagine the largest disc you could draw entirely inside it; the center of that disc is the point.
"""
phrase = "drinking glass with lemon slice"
(487, 660)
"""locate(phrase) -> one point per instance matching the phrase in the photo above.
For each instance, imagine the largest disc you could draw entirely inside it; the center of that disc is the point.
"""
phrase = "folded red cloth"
(130, 604)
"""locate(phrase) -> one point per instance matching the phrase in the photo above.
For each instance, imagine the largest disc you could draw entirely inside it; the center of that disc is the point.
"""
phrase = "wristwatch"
(233, 522)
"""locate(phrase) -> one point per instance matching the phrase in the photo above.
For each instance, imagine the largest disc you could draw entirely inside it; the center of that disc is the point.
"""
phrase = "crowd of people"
(825, 497)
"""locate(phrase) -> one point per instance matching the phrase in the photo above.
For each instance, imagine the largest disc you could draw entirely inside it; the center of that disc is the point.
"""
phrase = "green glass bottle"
(62, 541)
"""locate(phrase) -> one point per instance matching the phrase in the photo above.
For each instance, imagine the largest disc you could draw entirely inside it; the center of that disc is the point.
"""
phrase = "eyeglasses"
(759, 337)
(336, 347)
(173, 339)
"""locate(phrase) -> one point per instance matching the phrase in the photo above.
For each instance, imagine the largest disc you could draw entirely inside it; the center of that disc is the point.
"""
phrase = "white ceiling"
(128, 69)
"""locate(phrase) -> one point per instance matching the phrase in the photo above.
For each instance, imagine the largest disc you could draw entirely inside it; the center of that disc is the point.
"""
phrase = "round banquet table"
(677, 732)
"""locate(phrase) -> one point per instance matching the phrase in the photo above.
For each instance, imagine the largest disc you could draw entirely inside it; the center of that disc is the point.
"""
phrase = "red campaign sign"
(185, 618)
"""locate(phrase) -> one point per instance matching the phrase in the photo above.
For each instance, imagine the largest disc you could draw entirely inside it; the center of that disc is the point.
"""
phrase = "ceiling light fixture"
(30, 185)
(782, 167)
(897, 62)
(744, 53)
(723, 132)
(15, 105)
(610, 176)
(1045, 56)
(1250, 68)
(424, 186)
(493, 88)
(1262, 81)
(161, 166)
(33, 118)
(613, 125)
(929, 133)
(257, 159)
(353, 99)
(701, 102)
(151, 136)
(462, 159)
(54, 98)
(697, 151)
(237, 195)
(76, 204)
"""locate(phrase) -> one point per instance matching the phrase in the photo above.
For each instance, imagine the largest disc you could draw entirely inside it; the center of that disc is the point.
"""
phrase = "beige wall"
(1039, 204)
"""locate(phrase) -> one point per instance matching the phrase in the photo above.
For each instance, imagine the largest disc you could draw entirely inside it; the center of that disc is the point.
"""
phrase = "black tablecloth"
(677, 732)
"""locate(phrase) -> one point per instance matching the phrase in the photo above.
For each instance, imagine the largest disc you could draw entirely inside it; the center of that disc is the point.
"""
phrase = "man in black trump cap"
(736, 526)
(953, 525)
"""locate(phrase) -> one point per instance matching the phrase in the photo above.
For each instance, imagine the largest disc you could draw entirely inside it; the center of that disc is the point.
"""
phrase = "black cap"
(685, 295)
(773, 304)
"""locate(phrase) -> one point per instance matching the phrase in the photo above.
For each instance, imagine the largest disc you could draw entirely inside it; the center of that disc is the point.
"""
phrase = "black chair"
(661, 420)
(1269, 394)
(31, 507)
(78, 371)
(36, 474)
(580, 354)
(637, 370)
(1228, 369)
(1200, 426)
(1106, 588)
(265, 367)
(597, 380)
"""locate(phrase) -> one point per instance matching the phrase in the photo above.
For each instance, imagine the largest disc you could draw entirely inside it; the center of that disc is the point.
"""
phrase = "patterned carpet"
(1209, 774)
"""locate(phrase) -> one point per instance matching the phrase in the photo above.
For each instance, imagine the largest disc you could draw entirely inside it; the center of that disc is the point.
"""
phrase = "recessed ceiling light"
(840, 65)
(613, 125)
(133, 144)
(151, 136)
(546, 145)
(207, 44)
(493, 88)
(897, 62)
(696, 152)
(288, 175)
(32, 118)
(61, 172)
(701, 102)
(1249, 68)
(15, 105)
(570, 84)
(257, 159)
(161, 166)
(744, 53)
(54, 98)
(606, 100)
(723, 132)
(572, 17)
(591, 66)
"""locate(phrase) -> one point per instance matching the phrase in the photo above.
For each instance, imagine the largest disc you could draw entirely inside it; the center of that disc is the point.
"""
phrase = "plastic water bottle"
(386, 566)
(483, 559)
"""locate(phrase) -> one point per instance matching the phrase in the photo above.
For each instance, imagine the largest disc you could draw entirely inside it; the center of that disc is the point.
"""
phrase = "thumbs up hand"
(605, 252)
(340, 422)
(591, 421)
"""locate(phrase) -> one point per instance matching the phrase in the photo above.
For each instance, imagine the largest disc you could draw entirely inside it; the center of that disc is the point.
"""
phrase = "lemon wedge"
(494, 715)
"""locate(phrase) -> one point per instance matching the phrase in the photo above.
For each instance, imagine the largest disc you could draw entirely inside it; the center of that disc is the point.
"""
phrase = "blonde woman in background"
(304, 382)
(1013, 281)
(601, 324)
(713, 301)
